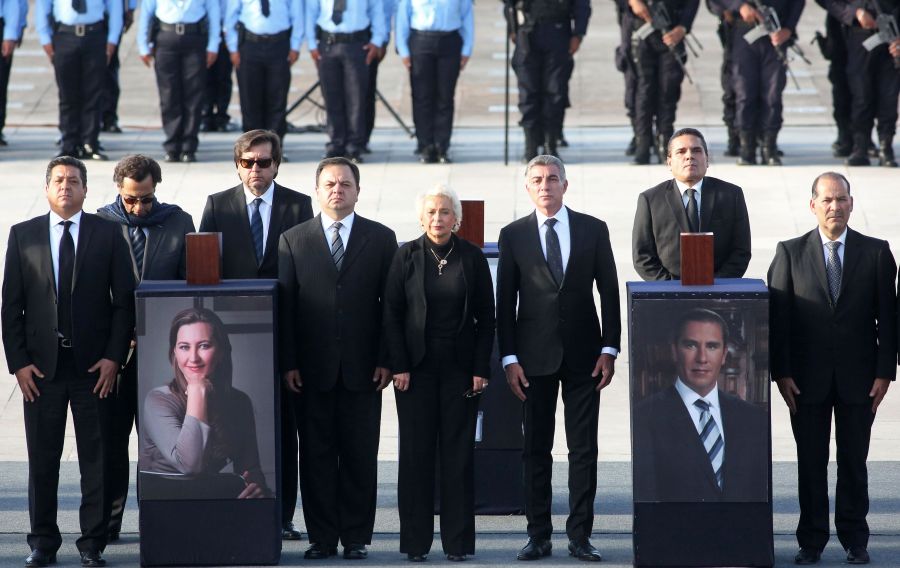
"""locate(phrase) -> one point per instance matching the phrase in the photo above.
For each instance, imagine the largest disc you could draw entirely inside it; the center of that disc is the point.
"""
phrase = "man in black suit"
(332, 272)
(833, 341)
(68, 316)
(549, 263)
(693, 441)
(156, 232)
(251, 217)
(692, 202)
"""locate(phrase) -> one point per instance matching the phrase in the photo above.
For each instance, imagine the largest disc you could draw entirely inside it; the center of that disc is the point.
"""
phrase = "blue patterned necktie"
(337, 246)
(554, 252)
(138, 243)
(256, 229)
(833, 270)
(712, 440)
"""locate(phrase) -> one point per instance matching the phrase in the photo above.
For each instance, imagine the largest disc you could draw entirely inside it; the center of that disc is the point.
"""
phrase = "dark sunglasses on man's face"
(248, 164)
(131, 200)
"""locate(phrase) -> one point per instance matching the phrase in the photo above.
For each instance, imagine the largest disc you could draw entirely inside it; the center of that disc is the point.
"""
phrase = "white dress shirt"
(689, 396)
(346, 225)
(56, 233)
(842, 239)
(265, 209)
(682, 190)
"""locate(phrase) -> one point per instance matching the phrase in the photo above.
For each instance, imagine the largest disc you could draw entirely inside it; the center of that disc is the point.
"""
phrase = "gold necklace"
(441, 262)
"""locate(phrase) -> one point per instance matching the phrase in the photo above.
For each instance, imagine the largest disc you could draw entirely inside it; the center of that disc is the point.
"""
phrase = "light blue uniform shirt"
(64, 13)
(435, 16)
(23, 16)
(11, 20)
(180, 12)
(283, 14)
(359, 15)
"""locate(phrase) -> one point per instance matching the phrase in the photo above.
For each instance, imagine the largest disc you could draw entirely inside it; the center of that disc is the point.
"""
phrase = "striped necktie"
(712, 440)
(138, 242)
(337, 245)
(833, 270)
(256, 229)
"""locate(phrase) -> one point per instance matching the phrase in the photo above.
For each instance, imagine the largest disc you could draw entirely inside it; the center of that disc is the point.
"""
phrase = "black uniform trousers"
(436, 58)
(264, 78)
(291, 416)
(5, 68)
(109, 103)
(45, 430)
(437, 430)
(874, 85)
(812, 432)
(80, 67)
(123, 414)
(582, 406)
(339, 441)
(344, 78)
(371, 97)
(658, 88)
(837, 74)
(180, 77)
(543, 64)
(217, 95)
(725, 78)
(759, 79)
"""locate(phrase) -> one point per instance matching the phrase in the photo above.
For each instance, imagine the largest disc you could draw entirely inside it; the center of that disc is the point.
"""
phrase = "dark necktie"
(64, 286)
(833, 270)
(256, 229)
(265, 7)
(79, 6)
(554, 253)
(337, 246)
(693, 212)
(712, 440)
(337, 11)
(138, 242)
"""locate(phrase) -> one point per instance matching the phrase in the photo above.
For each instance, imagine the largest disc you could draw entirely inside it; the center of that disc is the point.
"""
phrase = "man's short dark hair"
(834, 176)
(253, 137)
(700, 315)
(67, 161)
(687, 132)
(339, 161)
(137, 167)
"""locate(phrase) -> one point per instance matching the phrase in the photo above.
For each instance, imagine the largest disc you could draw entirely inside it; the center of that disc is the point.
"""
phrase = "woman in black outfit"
(439, 315)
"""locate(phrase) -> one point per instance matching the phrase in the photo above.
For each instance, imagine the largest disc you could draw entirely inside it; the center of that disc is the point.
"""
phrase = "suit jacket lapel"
(533, 243)
(238, 205)
(685, 422)
(85, 232)
(355, 243)
(45, 259)
(707, 203)
(154, 237)
(815, 256)
(126, 232)
(275, 222)
(673, 198)
(850, 260)
(574, 243)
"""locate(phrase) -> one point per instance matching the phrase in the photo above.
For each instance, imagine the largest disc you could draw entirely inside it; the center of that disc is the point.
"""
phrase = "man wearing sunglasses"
(156, 233)
(251, 217)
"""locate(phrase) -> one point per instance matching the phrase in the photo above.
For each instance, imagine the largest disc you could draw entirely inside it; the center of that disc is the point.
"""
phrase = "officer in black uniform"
(760, 76)
(873, 76)
(548, 34)
(833, 46)
(217, 93)
(626, 67)
(726, 22)
(659, 74)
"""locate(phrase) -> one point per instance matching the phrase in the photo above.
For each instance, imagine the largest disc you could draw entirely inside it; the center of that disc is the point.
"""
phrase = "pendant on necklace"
(441, 264)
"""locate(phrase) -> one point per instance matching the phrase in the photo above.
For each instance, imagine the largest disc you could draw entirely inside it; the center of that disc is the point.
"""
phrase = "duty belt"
(330, 38)
(183, 29)
(81, 30)
(257, 38)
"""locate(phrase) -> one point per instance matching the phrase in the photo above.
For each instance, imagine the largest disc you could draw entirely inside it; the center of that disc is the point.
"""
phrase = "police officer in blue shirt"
(344, 37)
(183, 37)
(371, 89)
(217, 96)
(79, 37)
(9, 25)
(434, 41)
(263, 38)
(109, 103)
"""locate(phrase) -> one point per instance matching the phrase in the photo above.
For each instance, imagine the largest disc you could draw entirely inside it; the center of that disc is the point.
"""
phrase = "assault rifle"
(769, 25)
(661, 21)
(886, 32)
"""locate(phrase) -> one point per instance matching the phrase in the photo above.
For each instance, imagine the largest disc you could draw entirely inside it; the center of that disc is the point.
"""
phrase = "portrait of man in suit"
(834, 354)
(690, 202)
(692, 440)
(251, 217)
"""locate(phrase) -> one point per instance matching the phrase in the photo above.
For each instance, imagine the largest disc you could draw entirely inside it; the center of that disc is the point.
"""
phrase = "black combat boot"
(748, 149)
(531, 145)
(733, 149)
(860, 154)
(641, 151)
(886, 152)
(843, 145)
(770, 149)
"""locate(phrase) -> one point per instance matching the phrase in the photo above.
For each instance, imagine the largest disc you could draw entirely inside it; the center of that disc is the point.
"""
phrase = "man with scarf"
(155, 232)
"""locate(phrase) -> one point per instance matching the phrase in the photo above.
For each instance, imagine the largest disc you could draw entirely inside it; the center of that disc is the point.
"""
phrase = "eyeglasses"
(248, 163)
(131, 200)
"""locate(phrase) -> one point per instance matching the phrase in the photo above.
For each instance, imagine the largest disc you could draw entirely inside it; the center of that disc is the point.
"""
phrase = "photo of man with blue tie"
(693, 441)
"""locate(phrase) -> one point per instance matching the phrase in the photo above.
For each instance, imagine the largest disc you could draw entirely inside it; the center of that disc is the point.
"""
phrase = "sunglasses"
(131, 200)
(248, 164)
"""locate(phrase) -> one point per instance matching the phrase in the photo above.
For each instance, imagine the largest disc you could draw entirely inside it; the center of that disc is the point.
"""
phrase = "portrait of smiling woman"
(198, 431)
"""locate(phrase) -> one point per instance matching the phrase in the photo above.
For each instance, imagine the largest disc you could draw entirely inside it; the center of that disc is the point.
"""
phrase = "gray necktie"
(712, 440)
(337, 11)
(337, 245)
(833, 270)
(554, 252)
(693, 212)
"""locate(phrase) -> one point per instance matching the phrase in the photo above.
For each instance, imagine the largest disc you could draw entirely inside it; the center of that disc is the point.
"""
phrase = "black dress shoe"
(112, 128)
(807, 556)
(456, 557)
(443, 158)
(92, 558)
(333, 154)
(584, 550)
(857, 555)
(355, 551)
(288, 532)
(318, 551)
(3, 141)
(428, 156)
(535, 548)
(89, 152)
(188, 157)
(40, 557)
(417, 557)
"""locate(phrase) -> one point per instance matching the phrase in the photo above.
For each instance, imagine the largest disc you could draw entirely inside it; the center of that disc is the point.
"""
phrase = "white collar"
(266, 197)
(562, 217)
(683, 186)
(346, 222)
(690, 396)
(56, 219)
(842, 239)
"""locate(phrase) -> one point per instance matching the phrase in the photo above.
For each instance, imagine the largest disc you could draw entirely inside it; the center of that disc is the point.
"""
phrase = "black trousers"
(658, 87)
(812, 433)
(340, 464)
(543, 64)
(874, 85)
(436, 58)
(841, 101)
(437, 430)
(45, 429)
(264, 78)
(371, 98)
(291, 416)
(180, 77)
(5, 68)
(725, 75)
(123, 415)
(217, 95)
(109, 104)
(582, 405)
(344, 78)
(80, 67)
(759, 79)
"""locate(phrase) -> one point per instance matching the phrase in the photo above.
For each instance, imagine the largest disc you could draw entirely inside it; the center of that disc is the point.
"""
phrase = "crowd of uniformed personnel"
(196, 45)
